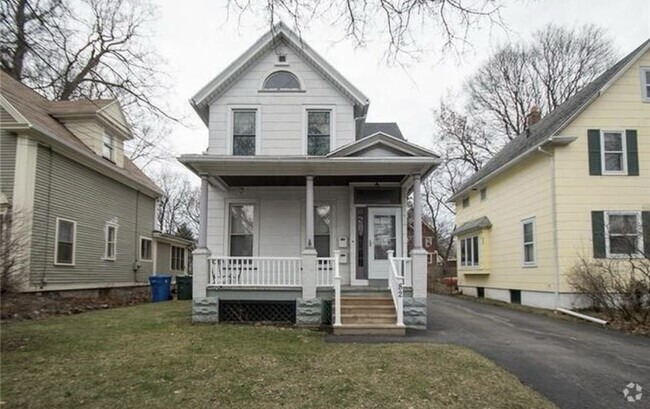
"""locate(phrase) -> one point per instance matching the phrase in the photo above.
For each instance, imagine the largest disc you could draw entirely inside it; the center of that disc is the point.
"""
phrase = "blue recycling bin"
(161, 287)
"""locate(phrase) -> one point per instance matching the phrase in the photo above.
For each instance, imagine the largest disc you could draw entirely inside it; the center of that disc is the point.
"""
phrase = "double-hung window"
(66, 232)
(178, 259)
(145, 249)
(614, 152)
(469, 252)
(322, 228)
(318, 132)
(108, 147)
(110, 241)
(645, 84)
(528, 234)
(242, 227)
(244, 132)
(623, 234)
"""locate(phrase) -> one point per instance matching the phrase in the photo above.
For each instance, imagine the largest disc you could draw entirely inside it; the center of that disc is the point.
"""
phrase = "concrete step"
(368, 319)
(370, 329)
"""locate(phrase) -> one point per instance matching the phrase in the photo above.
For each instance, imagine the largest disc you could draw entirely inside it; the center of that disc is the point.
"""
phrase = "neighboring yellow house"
(576, 184)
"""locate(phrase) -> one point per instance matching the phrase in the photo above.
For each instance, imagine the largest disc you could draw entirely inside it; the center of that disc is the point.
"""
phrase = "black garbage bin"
(184, 287)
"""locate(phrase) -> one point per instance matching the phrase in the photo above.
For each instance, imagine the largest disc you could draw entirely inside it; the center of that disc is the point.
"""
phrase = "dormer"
(99, 124)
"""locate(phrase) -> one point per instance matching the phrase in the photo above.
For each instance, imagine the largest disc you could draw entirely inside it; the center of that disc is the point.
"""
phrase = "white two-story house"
(303, 201)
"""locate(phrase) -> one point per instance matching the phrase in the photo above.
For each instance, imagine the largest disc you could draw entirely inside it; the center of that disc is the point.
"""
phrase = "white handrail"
(337, 289)
(396, 285)
(229, 271)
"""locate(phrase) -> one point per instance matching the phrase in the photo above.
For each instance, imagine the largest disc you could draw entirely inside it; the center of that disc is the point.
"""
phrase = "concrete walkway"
(573, 364)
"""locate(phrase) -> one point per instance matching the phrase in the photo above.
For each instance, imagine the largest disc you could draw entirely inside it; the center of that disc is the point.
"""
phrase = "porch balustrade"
(325, 271)
(255, 271)
(396, 285)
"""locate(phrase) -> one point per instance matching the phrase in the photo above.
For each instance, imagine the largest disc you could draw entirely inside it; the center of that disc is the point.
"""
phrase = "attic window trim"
(645, 84)
(263, 88)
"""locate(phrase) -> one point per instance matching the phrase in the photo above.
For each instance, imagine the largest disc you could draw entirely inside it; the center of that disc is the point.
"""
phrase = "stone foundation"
(415, 312)
(309, 312)
(205, 310)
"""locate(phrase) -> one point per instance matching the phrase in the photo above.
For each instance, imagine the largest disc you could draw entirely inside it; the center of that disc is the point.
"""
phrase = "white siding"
(280, 213)
(282, 113)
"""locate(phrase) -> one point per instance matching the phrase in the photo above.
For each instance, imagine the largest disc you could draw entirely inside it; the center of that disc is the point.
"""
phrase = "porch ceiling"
(244, 181)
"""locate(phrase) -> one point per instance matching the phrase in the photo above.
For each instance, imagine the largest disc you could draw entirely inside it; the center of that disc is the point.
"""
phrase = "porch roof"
(290, 170)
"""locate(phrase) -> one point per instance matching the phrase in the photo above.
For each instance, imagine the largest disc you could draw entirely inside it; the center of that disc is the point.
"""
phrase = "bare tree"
(12, 246)
(91, 49)
(545, 71)
(179, 204)
(394, 22)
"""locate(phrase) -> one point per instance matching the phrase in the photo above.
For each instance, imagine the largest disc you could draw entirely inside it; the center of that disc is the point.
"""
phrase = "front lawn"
(151, 356)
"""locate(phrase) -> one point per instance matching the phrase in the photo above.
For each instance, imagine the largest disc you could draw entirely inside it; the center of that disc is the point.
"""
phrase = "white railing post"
(337, 289)
(396, 284)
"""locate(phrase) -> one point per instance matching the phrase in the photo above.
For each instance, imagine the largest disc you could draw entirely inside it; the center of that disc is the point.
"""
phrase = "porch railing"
(337, 290)
(396, 285)
(228, 271)
(404, 268)
(325, 271)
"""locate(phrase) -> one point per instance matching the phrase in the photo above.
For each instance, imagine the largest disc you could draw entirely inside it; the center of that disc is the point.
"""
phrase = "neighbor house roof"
(279, 33)
(37, 112)
(473, 225)
(541, 132)
(388, 128)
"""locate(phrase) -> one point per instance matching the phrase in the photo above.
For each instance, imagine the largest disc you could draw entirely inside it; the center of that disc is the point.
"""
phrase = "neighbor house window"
(322, 228)
(110, 241)
(281, 80)
(645, 83)
(623, 234)
(465, 202)
(107, 147)
(528, 234)
(145, 249)
(484, 193)
(318, 132)
(178, 259)
(613, 151)
(430, 258)
(64, 252)
(242, 218)
(428, 241)
(244, 132)
(469, 252)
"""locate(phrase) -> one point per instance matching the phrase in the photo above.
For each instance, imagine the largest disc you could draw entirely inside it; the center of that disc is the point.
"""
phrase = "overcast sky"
(199, 41)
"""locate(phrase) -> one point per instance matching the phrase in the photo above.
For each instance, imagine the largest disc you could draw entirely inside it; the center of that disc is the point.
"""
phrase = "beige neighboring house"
(172, 254)
(576, 184)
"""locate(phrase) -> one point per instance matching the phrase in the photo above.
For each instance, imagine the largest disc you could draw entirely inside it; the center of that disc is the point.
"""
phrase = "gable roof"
(279, 33)
(37, 111)
(541, 132)
(401, 147)
(388, 128)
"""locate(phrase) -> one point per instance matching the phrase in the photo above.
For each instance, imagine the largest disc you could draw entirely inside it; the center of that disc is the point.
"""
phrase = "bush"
(620, 288)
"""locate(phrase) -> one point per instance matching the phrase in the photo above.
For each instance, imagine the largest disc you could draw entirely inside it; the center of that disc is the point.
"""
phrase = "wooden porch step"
(366, 301)
(367, 309)
(370, 329)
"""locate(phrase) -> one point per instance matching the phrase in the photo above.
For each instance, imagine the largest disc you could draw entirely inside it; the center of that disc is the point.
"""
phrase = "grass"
(151, 356)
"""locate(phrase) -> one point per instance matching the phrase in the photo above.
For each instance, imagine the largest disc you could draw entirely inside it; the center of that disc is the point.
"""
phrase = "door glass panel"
(384, 232)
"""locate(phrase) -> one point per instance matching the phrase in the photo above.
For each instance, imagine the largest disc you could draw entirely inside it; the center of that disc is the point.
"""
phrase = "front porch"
(312, 231)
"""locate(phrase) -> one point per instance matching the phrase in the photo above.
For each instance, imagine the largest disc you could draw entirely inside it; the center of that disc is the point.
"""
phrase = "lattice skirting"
(257, 311)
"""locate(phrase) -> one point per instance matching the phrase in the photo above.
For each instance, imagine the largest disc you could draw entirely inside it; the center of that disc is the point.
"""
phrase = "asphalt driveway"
(573, 364)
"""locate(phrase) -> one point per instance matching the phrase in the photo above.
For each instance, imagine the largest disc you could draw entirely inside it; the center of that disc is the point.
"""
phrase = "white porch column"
(310, 212)
(417, 212)
(203, 218)
(309, 261)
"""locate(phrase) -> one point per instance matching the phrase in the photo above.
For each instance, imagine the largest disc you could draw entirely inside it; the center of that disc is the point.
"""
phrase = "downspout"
(556, 262)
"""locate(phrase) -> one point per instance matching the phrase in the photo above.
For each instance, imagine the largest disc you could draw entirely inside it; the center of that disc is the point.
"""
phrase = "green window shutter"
(595, 167)
(598, 234)
(632, 153)
(645, 217)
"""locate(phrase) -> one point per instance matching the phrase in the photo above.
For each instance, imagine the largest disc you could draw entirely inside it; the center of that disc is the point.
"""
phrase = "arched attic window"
(281, 81)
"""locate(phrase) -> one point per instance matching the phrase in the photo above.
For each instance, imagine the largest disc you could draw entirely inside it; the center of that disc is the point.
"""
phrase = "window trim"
(430, 258)
(603, 165)
(230, 126)
(524, 263)
(171, 258)
(74, 242)
(428, 241)
(470, 255)
(107, 226)
(639, 230)
(140, 249)
(305, 122)
(110, 146)
(644, 85)
(256, 223)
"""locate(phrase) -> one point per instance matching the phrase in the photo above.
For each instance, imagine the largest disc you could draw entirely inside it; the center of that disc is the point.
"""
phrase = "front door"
(384, 233)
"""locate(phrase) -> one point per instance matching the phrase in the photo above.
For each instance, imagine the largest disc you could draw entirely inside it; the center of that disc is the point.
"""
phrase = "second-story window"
(645, 83)
(107, 146)
(318, 132)
(243, 137)
(614, 158)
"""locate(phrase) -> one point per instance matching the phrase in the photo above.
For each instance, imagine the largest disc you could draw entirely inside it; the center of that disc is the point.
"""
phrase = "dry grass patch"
(151, 356)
